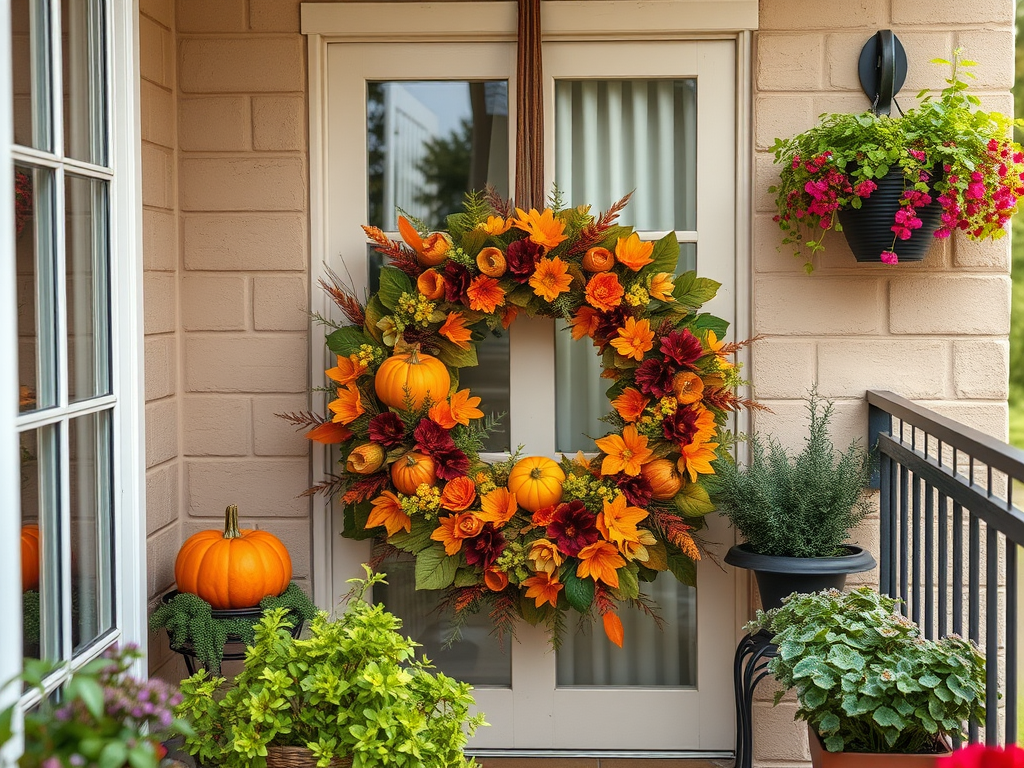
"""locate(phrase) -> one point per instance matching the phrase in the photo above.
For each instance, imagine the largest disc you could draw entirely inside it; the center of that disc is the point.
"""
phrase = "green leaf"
(888, 718)
(89, 692)
(114, 755)
(466, 577)
(683, 568)
(374, 311)
(435, 569)
(454, 356)
(355, 517)
(692, 292)
(141, 756)
(579, 592)
(665, 255)
(629, 584)
(393, 283)
(845, 658)
(521, 296)
(530, 612)
(346, 341)
(706, 322)
(693, 501)
(829, 722)
(416, 540)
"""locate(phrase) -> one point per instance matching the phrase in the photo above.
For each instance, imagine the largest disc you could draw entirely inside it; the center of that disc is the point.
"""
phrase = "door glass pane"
(85, 110)
(476, 658)
(34, 254)
(30, 54)
(665, 657)
(40, 543)
(88, 277)
(89, 450)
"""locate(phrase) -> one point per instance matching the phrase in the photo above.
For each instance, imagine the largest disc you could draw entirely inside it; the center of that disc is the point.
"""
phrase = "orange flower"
(716, 346)
(544, 228)
(509, 315)
(441, 414)
(387, 511)
(604, 292)
(409, 234)
(495, 580)
(495, 225)
(617, 523)
(455, 330)
(544, 557)
(348, 370)
(365, 459)
(429, 252)
(688, 387)
(491, 261)
(458, 494)
(485, 295)
(635, 339)
(613, 627)
(329, 433)
(550, 278)
(543, 588)
(453, 529)
(465, 408)
(431, 284)
(696, 459)
(633, 252)
(625, 453)
(348, 407)
(662, 286)
(585, 322)
(630, 404)
(600, 561)
(542, 517)
(498, 507)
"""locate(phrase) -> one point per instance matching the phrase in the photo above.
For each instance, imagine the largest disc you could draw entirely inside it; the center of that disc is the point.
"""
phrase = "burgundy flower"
(451, 463)
(432, 438)
(572, 528)
(387, 429)
(485, 548)
(636, 489)
(608, 325)
(654, 376)
(682, 347)
(681, 426)
(457, 279)
(522, 257)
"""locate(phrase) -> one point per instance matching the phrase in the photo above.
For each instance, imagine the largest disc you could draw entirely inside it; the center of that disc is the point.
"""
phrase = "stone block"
(243, 184)
(161, 367)
(204, 16)
(990, 418)
(952, 12)
(230, 362)
(770, 254)
(781, 368)
(788, 421)
(916, 369)
(161, 497)
(157, 114)
(262, 488)
(160, 297)
(803, 306)
(161, 551)
(161, 431)
(213, 302)
(161, 11)
(925, 305)
(156, 53)
(272, 435)
(987, 254)
(804, 14)
(280, 303)
(157, 176)
(766, 174)
(216, 426)
(245, 242)
(279, 123)
(214, 124)
(777, 735)
(981, 369)
(274, 15)
(252, 64)
(159, 240)
(992, 49)
(788, 62)
(780, 116)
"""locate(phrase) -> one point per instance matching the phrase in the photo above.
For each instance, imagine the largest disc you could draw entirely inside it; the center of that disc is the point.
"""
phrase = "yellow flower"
(697, 458)
(544, 228)
(625, 453)
(633, 252)
(495, 225)
(387, 511)
(635, 339)
(544, 557)
(716, 346)
(550, 278)
(662, 286)
(600, 561)
(617, 523)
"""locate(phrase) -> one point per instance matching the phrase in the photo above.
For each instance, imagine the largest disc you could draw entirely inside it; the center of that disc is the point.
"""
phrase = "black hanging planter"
(868, 229)
(778, 577)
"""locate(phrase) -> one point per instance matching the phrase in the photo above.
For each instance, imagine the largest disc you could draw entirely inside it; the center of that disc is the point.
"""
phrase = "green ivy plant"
(352, 689)
(796, 506)
(865, 678)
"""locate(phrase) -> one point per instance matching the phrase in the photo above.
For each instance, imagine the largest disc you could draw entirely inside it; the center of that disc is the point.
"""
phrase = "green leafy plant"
(352, 689)
(189, 621)
(946, 149)
(796, 506)
(865, 678)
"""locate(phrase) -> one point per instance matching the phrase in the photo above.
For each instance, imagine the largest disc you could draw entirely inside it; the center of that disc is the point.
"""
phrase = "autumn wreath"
(528, 537)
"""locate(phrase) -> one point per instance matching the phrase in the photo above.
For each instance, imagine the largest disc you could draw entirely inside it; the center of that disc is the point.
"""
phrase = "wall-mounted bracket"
(883, 70)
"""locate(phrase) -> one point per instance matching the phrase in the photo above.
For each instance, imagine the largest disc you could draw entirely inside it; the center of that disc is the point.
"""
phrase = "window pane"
(33, 246)
(88, 277)
(89, 446)
(83, 43)
(476, 658)
(650, 656)
(40, 543)
(614, 136)
(31, 73)
(428, 143)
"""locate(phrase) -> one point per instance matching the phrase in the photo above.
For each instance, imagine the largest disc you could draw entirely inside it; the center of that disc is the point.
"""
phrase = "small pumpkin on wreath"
(528, 537)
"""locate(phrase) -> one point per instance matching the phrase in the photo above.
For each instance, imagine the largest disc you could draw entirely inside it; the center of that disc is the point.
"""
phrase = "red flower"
(457, 279)
(485, 548)
(637, 490)
(682, 347)
(451, 463)
(522, 257)
(432, 438)
(654, 376)
(387, 429)
(572, 528)
(980, 756)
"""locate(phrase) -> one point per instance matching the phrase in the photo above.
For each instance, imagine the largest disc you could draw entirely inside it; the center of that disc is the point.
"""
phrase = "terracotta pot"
(821, 758)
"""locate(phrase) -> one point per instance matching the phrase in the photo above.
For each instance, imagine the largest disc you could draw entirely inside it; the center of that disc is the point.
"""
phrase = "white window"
(72, 265)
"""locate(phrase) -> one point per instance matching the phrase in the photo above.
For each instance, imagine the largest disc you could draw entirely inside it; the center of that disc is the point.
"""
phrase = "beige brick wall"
(933, 331)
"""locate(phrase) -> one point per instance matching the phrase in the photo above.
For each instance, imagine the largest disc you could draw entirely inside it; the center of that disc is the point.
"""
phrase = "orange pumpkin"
(418, 373)
(412, 470)
(664, 479)
(537, 482)
(598, 259)
(233, 569)
(29, 557)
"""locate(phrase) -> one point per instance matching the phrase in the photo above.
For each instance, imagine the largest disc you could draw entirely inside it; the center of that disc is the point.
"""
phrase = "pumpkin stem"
(536, 473)
(231, 523)
(414, 355)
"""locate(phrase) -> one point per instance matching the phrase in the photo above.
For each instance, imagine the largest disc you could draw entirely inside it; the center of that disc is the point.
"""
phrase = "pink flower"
(916, 154)
(865, 188)
(980, 756)
(889, 257)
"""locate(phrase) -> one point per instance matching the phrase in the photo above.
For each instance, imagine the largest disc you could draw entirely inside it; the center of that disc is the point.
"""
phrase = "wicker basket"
(299, 757)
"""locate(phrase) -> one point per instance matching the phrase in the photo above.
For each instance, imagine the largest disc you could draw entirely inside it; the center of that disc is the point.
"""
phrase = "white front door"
(657, 117)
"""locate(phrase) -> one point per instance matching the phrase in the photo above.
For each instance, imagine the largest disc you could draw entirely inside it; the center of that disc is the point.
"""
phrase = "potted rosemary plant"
(892, 183)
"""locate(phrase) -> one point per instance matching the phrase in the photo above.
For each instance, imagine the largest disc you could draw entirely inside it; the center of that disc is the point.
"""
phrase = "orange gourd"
(664, 479)
(233, 569)
(537, 482)
(29, 557)
(412, 470)
(418, 373)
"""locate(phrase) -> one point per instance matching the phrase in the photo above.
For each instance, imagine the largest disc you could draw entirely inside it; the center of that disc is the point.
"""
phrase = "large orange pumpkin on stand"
(416, 372)
(411, 470)
(537, 482)
(233, 569)
(29, 557)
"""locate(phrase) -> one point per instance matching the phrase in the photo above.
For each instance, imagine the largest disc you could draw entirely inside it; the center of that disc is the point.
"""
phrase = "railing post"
(879, 422)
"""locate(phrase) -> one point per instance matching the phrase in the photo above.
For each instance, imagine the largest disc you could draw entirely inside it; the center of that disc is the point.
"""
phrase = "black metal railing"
(939, 479)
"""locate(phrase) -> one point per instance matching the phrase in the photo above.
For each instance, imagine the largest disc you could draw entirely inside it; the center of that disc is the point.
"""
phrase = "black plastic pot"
(868, 229)
(778, 577)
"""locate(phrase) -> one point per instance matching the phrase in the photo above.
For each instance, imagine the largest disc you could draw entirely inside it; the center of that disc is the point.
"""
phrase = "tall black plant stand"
(750, 668)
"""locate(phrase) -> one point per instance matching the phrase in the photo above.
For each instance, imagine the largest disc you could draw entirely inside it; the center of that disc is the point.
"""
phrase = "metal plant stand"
(750, 668)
